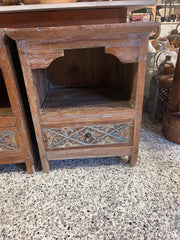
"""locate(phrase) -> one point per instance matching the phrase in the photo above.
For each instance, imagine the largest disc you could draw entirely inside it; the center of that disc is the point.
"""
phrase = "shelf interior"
(5, 108)
(85, 80)
(85, 98)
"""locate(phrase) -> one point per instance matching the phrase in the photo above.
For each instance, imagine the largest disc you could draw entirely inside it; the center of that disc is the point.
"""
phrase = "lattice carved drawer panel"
(8, 141)
(88, 135)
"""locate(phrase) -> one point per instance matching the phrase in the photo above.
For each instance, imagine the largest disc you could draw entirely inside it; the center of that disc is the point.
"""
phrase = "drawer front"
(8, 141)
(88, 135)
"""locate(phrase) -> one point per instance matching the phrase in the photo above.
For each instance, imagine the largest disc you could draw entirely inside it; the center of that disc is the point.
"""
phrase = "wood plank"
(77, 5)
(46, 1)
(49, 117)
(34, 103)
(6, 121)
(89, 152)
(10, 158)
(81, 123)
(115, 40)
(85, 98)
(6, 111)
(40, 77)
(72, 33)
(63, 18)
(139, 81)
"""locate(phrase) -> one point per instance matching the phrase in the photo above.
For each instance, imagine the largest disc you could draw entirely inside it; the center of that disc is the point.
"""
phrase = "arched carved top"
(44, 59)
(127, 54)
(41, 57)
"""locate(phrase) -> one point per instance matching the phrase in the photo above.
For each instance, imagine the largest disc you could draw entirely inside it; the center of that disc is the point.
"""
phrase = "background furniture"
(171, 124)
(15, 143)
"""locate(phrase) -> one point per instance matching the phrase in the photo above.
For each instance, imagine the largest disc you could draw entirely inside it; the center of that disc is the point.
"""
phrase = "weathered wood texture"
(63, 18)
(15, 144)
(83, 68)
(88, 32)
(95, 98)
(89, 153)
(76, 5)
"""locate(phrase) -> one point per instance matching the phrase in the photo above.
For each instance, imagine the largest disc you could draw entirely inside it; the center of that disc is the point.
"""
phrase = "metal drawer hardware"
(88, 135)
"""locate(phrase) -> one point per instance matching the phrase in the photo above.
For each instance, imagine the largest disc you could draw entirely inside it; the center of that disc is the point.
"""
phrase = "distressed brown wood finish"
(63, 18)
(138, 97)
(15, 145)
(92, 105)
(77, 5)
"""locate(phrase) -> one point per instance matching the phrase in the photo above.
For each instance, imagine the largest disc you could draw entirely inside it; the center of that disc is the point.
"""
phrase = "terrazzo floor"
(96, 199)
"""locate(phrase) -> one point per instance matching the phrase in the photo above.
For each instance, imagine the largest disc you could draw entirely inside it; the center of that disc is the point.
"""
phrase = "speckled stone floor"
(97, 199)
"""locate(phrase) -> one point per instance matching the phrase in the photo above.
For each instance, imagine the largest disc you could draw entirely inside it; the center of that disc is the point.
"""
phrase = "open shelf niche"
(5, 108)
(85, 79)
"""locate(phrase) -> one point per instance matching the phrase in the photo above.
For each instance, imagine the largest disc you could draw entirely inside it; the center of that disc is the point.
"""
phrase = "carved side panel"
(44, 59)
(119, 133)
(127, 54)
(8, 141)
(41, 55)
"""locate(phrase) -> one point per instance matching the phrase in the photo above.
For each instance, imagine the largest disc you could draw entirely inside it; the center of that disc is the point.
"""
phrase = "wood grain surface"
(15, 144)
(100, 79)
(76, 5)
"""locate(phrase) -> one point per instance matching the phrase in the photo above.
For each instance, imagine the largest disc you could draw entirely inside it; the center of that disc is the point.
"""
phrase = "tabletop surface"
(75, 4)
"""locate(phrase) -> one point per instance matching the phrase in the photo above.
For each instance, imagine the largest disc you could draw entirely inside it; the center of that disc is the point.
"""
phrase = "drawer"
(8, 140)
(88, 135)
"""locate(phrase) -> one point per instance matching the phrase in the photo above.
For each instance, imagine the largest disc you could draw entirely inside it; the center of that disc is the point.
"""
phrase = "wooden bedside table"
(15, 143)
(85, 85)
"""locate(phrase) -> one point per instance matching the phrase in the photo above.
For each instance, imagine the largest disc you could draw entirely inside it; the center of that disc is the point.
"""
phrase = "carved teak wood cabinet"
(85, 84)
(15, 143)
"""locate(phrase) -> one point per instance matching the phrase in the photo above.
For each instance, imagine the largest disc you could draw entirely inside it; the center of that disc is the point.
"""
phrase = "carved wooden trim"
(7, 141)
(88, 135)
(124, 54)
(41, 54)
(44, 59)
